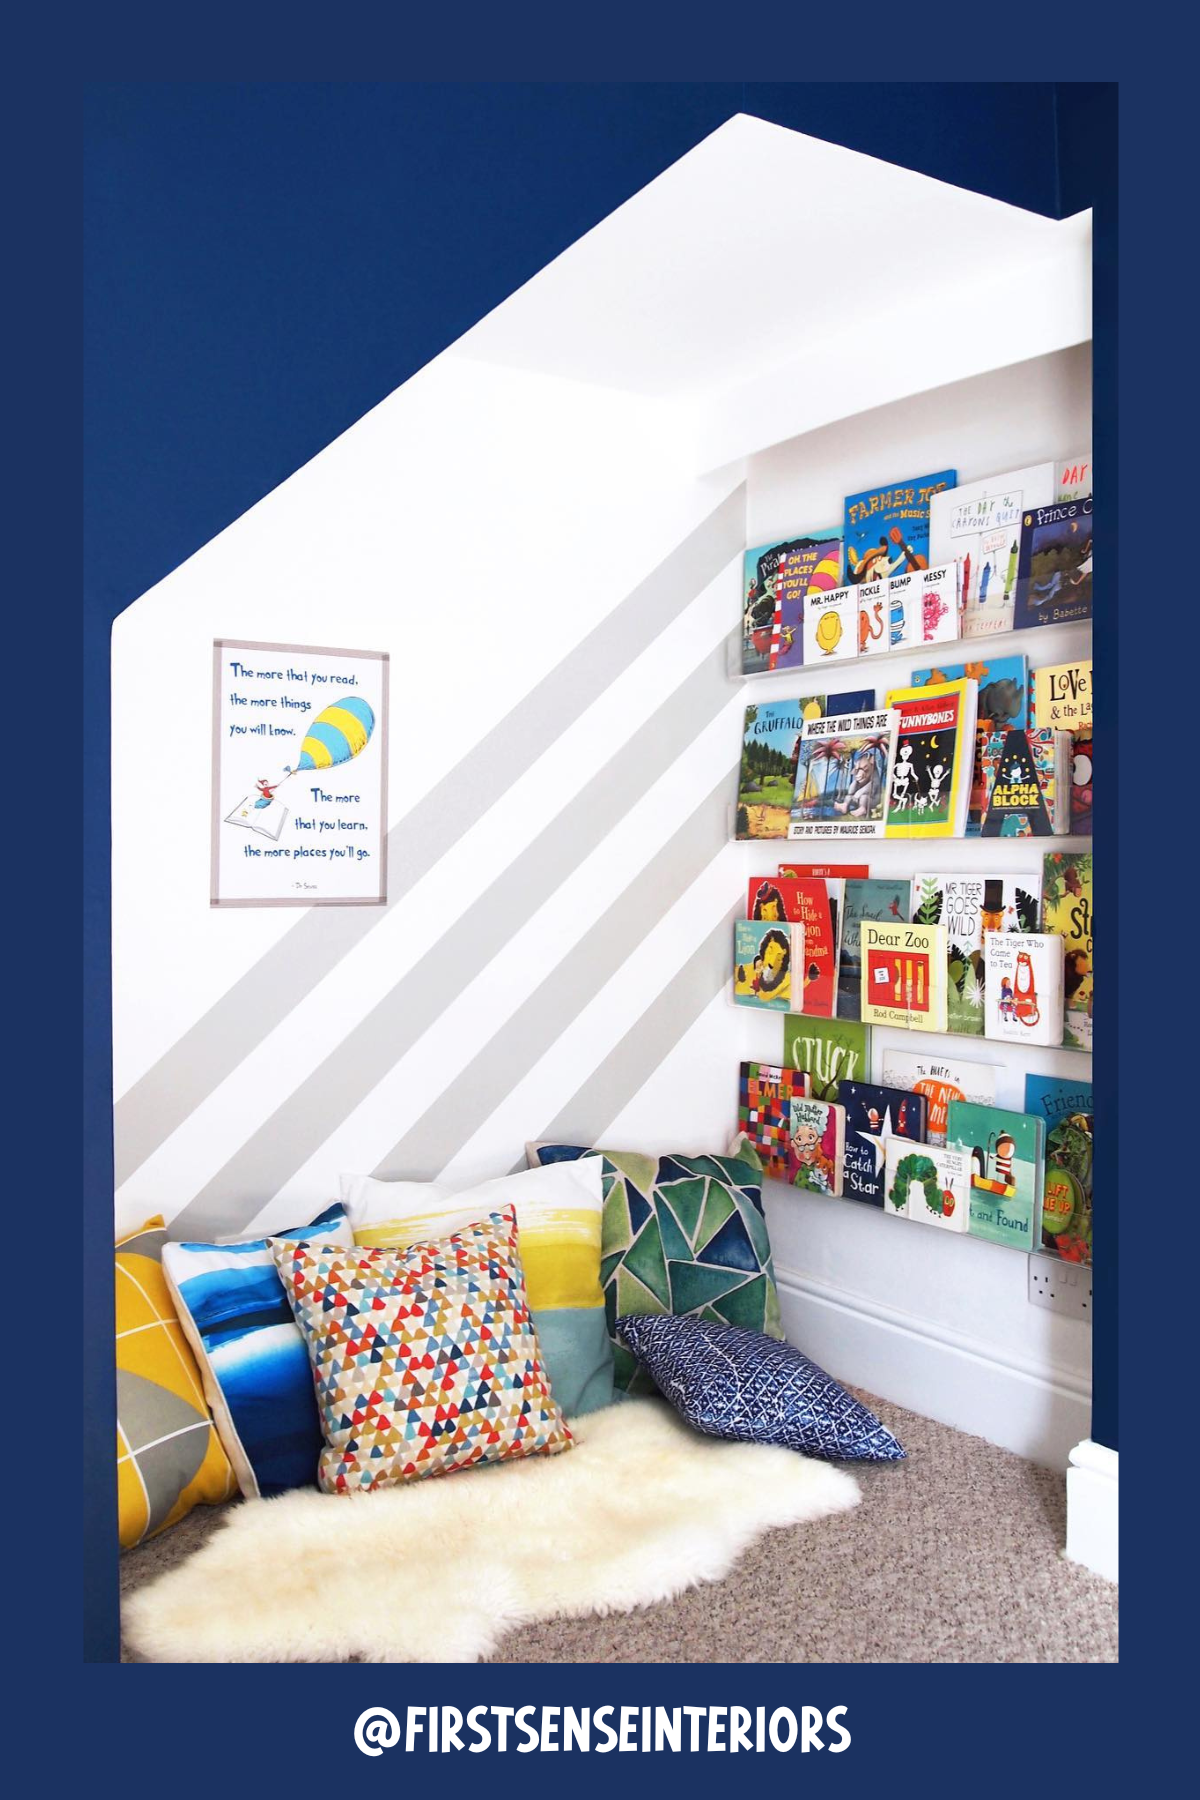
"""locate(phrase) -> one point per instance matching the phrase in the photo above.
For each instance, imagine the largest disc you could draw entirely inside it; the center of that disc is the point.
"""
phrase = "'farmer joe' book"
(887, 528)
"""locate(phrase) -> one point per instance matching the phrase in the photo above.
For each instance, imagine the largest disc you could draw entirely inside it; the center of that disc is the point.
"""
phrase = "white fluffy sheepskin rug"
(437, 1571)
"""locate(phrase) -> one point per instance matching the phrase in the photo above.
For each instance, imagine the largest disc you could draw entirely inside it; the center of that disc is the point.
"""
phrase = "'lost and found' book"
(1067, 911)
(928, 1183)
(1005, 1150)
(1023, 987)
(904, 975)
(828, 1050)
(969, 905)
(873, 1115)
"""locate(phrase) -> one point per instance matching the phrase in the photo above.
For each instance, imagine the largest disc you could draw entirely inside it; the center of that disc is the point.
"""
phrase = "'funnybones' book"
(828, 1050)
(1002, 700)
(842, 774)
(928, 1183)
(1065, 1107)
(887, 528)
(940, 1079)
(969, 905)
(980, 525)
(1005, 1149)
(904, 975)
(935, 747)
(1054, 575)
(765, 961)
(1023, 987)
(765, 1095)
(1067, 910)
(879, 898)
(818, 1133)
(873, 1115)
(806, 901)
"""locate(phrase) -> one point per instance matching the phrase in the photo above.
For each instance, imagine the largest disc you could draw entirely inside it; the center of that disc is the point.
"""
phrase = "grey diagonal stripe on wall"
(647, 1044)
(161, 1099)
(478, 1087)
(297, 1129)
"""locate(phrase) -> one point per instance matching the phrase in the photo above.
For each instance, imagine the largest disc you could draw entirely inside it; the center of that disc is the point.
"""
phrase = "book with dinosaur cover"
(980, 525)
(873, 1115)
(817, 1134)
(882, 898)
(1003, 700)
(874, 625)
(1067, 911)
(923, 608)
(1005, 1151)
(887, 528)
(828, 1050)
(1028, 784)
(776, 579)
(904, 975)
(1074, 478)
(842, 773)
(940, 1079)
(969, 905)
(929, 1183)
(1054, 573)
(1065, 1108)
(930, 788)
(1023, 987)
(765, 963)
(765, 1094)
(830, 626)
(1081, 785)
(1062, 696)
(814, 903)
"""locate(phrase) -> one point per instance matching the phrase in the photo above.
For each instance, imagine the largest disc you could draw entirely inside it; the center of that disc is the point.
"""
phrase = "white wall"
(931, 1320)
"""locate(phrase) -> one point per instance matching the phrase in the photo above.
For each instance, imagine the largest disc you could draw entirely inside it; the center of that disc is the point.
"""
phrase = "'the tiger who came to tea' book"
(817, 1135)
(829, 1050)
(1067, 911)
(1023, 987)
(1066, 1109)
(842, 774)
(886, 528)
(929, 1183)
(904, 975)
(940, 1079)
(930, 789)
(768, 961)
(880, 898)
(1005, 1150)
(1062, 696)
(969, 905)
(980, 525)
(806, 901)
(765, 1095)
(873, 1115)
(1054, 575)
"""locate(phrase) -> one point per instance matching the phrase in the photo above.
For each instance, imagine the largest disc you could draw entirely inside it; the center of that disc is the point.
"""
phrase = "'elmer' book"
(940, 1079)
(842, 774)
(969, 905)
(765, 1095)
(930, 788)
(808, 902)
(904, 975)
(929, 1183)
(1005, 1150)
(980, 524)
(814, 1159)
(765, 963)
(879, 898)
(1066, 1109)
(887, 528)
(1067, 910)
(829, 1050)
(1054, 575)
(873, 1115)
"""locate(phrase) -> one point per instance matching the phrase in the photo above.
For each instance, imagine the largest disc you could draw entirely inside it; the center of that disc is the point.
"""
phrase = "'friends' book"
(765, 1095)
(1066, 1110)
(828, 1050)
(873, 1115)
(818, 1135)
(904, 975)
(1005, 1149)
(1023, 987)
(929, 1183)
(887, 528)
(939, 1079)
(980, 525)
(765, 963)
(1067, 910)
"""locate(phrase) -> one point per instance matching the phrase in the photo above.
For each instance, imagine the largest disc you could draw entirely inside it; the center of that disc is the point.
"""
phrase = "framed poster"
(299, 775)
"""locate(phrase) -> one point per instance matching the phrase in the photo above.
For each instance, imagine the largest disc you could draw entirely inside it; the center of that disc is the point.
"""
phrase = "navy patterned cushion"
(734, 1383)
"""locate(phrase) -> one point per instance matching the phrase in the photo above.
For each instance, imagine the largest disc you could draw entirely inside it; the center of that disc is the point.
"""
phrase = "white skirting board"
(1092, 1507)
(1041, 1413)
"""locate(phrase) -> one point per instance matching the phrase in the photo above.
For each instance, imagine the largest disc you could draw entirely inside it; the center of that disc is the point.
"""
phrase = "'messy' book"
(1023, 987)
(842, 776)
(980, 525)
(930, 788)
(828, 1050)
(1054, 575)
(765, 1095)
(767, 780)
(928, 1183)
(969, 905)
(1067, 911)
(873, 1115)
(776, 899)
(886, 528)
(879, 898)
(766, 959)
(904, 975)
(818, 1135)
(939, 1079)
(923, 608)
(1005, 1150)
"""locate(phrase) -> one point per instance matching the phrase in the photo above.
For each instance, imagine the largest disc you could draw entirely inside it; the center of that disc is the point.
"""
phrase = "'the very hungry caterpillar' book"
(1067, 911)
(887, 528)
(1005, 1149)
(904, 975)
(1066, 1109)
(817, 1135)
(969, 905)
(842, 774)
(807, 901)
(940, 1079)
(765, 1094)
(935, 748)
(1054, 575)
(880, 898)
(1023, 987)
(873, 1115)
(929, 1183)
(765, 963)
(829, 1050)
(980, 524)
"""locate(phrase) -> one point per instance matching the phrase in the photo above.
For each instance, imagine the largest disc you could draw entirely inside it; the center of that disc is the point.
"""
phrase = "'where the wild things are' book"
(904, 975)
(817, 1134)
(939, 1079)
(1067, 910)
(807, 901)
(980, 525)
(930, 790)
(873, 1115)
(776, 579)
(886, 528)
(969, 905)
(870, 897)
(1005, 1151)
(1054, 575)
(1065, 1108)
(1023, 987)
(765, 1095)
(770, 748)
(929, 1183)
(766, 959)
(842, 774)
(828, 1050)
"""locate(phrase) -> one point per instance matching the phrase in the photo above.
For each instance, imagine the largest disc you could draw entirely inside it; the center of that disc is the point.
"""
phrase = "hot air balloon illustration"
(336, 735)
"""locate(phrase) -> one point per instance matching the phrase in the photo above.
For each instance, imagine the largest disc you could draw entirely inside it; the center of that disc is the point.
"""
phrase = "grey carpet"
(953, 1556)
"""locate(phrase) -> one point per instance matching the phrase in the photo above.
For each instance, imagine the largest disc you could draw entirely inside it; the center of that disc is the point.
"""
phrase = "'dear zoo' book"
(765, 961)
(1005, 1149)
(818, 1135)
(904, 975)
(765, 1095)
(873, 1115)
(830, 1050)
(929, 1183)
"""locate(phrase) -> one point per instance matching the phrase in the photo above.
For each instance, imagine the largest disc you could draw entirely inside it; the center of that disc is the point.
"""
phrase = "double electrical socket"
(1063, 1287)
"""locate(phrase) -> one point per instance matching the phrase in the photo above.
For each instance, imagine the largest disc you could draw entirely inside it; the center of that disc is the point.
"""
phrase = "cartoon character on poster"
(338, 734)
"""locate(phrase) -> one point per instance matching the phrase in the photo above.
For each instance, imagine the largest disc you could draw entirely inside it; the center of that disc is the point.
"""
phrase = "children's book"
(760, 604)
(1062, 696)
(1003, 700)
(765, 961)
(818, 1134)
(930, 788)
(873, 1115)
(969, 905)
(1005, 1150)
(765, 1094)
(874, 629)
(904, 975)
(887, 528)
(830, 625)
(828, 1050)
(1054, 575)
(886, 897)
(1074, 479)
(842, 775)
(980, 525)
(1081, 785)
(767, 781)
(1066, 1110)
(923, 608)
(838, 871)
(929, 1183)
(1029, 784)
(940, 1080)
(1023, 987)
(1067, 911)
(807, 901)
(776, 579)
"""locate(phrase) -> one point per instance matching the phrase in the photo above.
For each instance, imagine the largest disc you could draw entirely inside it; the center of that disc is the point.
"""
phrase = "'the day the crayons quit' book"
(1067, 910)
(1066, 1109)
(929, 1183)
(880, 898)
(765, 963)
(1023, 987)
(765, 1095)
(940, 1080)
(1054, 574)
(873, 1115)
(904, 975)
(807, 901)
(980, 524)
(931, 772)
(887, 528)
(830, 1050)
(818, 1133)
(1005, 1149)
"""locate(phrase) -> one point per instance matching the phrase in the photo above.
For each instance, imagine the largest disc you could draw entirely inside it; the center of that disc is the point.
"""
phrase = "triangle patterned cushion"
(425, 1360)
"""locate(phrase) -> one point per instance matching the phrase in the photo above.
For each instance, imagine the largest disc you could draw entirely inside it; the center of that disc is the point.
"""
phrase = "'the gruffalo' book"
(873, 1115)
(887, 528)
